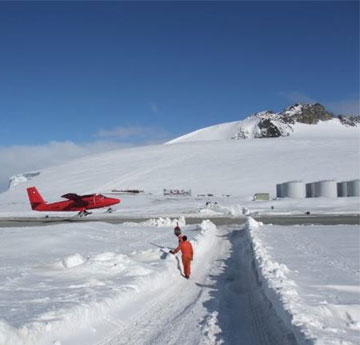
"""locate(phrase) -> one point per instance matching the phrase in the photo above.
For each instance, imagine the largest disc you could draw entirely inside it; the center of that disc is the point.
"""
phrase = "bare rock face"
(268, 129)
(308, 113)
(273, 125)
(352, 121)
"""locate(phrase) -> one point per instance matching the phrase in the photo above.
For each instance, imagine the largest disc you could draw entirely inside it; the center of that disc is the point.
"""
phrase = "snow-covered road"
(84, 284)
(222, 304)
(103, 284)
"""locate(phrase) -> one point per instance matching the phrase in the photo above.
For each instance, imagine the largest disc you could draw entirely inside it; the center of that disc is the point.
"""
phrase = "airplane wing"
(72, 196)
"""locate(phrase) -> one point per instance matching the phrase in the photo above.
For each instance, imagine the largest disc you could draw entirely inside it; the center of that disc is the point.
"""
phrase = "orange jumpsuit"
(180, 238)
(186, 256)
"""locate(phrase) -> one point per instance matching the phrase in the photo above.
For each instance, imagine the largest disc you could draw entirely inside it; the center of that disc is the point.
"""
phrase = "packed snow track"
(222, 303)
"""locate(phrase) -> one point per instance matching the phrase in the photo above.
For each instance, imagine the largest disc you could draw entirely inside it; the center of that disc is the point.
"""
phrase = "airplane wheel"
(84, 213)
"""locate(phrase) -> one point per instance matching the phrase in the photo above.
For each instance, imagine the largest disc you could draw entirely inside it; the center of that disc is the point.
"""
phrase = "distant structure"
(326, 189)
(279, 191)
(348, 188)
(310, 190)
(291, 189)
(318, 189)
(127, 191)
(342, 190)
(261, 196)
(176, 192)
(354, 188)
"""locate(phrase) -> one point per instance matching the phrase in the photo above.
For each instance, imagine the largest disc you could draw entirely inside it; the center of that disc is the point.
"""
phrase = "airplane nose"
(113, 201)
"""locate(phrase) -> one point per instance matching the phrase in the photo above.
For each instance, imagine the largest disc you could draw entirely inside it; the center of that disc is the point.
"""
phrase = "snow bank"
(162, 222)
(73, 260)
(214, 208)
(315, 315)
(251, 223)
(217, 208)
(9, 335)
(209, 212)
(205, 239)
(81, 290)
(280, 290)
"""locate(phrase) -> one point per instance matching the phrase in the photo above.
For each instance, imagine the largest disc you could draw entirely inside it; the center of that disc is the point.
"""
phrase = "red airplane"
(75, 202)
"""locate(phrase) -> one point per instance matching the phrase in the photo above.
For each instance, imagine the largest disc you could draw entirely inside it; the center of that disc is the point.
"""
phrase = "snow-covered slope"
(309, 119)
(239, 168)
(313, 152)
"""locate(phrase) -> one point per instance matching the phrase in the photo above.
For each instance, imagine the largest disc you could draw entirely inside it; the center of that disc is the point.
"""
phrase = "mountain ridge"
(268, 124)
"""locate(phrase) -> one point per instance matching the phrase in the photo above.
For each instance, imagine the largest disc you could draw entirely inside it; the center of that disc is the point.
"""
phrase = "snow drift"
(50, 297)
(313, 286)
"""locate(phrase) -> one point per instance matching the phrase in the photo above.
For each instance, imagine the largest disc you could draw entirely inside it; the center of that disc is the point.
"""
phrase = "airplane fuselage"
(70, 205)
(74, 203)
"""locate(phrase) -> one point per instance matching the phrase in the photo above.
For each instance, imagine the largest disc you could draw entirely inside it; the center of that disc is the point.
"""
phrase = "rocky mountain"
(268, 124)
(272, 125)
(309, 114)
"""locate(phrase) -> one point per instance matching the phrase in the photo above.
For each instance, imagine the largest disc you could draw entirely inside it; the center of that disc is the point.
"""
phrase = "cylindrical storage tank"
(279, 190)
(342, 189)
(310, 190)
(284, 190)
(353, 188)
(294, 189)
(326, 189)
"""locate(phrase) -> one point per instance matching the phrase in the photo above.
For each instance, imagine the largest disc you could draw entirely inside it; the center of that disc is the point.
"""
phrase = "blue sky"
(143, 72)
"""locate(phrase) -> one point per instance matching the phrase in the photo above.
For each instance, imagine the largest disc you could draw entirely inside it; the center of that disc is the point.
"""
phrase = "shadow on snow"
(243, 313)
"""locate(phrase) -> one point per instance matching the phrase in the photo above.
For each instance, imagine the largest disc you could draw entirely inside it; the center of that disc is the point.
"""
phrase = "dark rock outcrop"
(269, 129)
(274, 125)
(351, 121)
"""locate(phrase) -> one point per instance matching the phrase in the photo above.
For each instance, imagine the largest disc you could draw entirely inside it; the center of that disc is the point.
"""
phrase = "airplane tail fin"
(35, 197)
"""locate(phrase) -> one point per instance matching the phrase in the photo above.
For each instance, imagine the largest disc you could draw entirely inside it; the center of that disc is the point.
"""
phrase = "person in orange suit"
(187, 254)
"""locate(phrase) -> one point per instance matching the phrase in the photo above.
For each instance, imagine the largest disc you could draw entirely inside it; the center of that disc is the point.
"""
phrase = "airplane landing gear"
(83, 213)
(109, 210)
